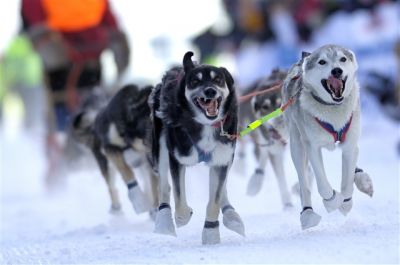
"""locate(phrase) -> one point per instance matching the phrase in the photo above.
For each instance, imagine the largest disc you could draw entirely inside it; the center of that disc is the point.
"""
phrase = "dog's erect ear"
(352, 57)
(187, 62)
(305, 54)
(228, 77)
(146, 91)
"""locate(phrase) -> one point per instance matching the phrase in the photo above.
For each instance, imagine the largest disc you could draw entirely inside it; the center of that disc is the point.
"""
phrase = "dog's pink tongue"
(212, 107)
(335, 84)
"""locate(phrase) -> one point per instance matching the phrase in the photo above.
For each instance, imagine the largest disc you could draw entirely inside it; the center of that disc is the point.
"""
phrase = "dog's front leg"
(183, 212)
(308, 218)
(211, 226)
(231, 218)
(257, 179)
(332, 199)
(164, 224)
(139, 201)
(110, 180)
(349, 161)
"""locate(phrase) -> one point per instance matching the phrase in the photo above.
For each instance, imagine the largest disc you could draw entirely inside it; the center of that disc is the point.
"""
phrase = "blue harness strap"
(338, 136)
(203, 156)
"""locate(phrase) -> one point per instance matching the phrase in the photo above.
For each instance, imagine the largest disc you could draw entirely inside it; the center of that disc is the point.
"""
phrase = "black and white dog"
(124, 123)
(195, 120)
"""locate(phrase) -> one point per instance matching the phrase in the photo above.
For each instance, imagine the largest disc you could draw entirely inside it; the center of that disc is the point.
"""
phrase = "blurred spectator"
(70, 37)
(265, 34)
(21, 75)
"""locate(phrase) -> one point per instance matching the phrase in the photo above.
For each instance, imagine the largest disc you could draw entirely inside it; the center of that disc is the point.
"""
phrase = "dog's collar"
(220, 122)
(338, 136)
(320, 100)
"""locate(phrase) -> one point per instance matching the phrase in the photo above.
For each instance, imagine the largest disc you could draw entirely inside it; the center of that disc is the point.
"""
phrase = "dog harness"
(203, 156)
(338, 136)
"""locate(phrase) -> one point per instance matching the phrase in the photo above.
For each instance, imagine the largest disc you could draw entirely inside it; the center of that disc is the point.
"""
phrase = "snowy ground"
(74, 226)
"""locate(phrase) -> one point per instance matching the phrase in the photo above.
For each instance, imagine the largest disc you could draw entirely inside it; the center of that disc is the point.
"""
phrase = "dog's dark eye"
(194, 82)
(218, 80)
(343, 59)
(322, 62)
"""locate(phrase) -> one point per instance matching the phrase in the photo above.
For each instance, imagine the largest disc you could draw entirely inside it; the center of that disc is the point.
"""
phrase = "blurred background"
(53, 53)
(136, 41)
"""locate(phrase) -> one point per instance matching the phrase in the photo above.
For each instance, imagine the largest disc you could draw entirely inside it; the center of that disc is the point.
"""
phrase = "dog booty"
(308, 219)
(210, 236)
(164, 224)
(346, 206)
(363, 182)
(255, 182)
(232, 221)
(334, 202)
(182, 216)
(139, 201)
(115, 209)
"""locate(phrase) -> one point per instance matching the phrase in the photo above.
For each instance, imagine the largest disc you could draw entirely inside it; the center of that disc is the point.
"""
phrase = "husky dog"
(124, 123)
(195, 117)
(325, 113)
(270, 139)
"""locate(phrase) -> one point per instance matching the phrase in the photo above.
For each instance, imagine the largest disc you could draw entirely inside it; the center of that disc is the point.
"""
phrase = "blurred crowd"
(263, 35)
(54, 60)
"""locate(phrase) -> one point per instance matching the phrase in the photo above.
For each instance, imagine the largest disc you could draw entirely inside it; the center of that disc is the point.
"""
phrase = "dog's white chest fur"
(215, 152)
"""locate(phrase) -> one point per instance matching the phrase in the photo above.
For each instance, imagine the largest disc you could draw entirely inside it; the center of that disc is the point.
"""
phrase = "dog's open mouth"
(335, 87)
(210, 107)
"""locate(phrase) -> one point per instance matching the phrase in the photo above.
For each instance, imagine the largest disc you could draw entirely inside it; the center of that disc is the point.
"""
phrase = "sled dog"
(124, 123)
(325, 114)
(195, 120)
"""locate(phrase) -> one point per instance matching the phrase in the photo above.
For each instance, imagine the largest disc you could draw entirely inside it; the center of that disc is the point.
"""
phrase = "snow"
(73, 225)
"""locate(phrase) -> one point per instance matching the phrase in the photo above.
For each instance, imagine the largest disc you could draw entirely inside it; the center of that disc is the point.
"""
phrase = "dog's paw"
(210, 236)
(139, 201)
(334, 202)
(364, 183)
(308, 219)
(346, 206)
(232, 221)
(164, 224)
(115, 209)
(255, 183)
(182, 216)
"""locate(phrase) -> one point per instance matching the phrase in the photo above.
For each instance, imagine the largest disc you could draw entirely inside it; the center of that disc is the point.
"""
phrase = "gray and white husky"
(325, 114)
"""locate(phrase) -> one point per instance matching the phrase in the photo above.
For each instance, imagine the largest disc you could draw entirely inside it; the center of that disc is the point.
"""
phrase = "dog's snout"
(210, 92)
(337, 72)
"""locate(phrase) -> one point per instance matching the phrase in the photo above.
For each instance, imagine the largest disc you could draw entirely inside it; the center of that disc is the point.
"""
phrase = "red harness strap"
(338, 136)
